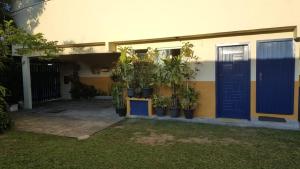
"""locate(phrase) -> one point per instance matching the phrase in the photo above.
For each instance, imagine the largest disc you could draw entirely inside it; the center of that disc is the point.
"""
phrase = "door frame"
(216, 73)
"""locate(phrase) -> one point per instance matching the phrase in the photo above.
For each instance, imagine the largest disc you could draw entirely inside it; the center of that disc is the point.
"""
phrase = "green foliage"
(5, 120)
(123, 71)
(178, 69)
(117, 94)
(144, 72)
(146, 69)
(160, 101)
(28, 44)
(80, 90)
(188, 98)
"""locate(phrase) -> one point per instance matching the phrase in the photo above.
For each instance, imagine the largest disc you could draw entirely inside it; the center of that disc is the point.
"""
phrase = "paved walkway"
(78, 119)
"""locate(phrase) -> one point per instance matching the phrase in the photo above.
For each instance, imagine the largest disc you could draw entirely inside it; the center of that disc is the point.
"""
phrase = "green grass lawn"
(155, 144)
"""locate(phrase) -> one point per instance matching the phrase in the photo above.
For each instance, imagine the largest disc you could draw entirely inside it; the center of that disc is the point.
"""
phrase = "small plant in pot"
(188, 101)
(160, 104)
(146, 86)
(118, 98)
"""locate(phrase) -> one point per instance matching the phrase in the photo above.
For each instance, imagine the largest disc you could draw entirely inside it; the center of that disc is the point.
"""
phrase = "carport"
(63, 116)
(95, 57)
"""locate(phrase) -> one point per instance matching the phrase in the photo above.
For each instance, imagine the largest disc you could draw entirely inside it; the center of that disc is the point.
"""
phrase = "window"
(162, 53)
(140, 52)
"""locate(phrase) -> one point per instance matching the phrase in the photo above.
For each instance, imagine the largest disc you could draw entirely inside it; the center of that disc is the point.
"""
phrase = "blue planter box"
(139, 106)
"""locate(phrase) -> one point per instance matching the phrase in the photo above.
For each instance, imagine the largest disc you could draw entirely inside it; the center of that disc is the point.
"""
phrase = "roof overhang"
(211, 35)
(93, 60)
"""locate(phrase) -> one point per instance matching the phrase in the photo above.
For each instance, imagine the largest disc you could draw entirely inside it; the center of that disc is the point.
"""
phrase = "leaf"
(3, 91)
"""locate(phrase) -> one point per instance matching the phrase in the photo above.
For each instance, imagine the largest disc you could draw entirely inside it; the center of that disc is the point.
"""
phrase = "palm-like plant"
(177, 69)
(117, 94)
(188, 98)
(125, 66)
(145, 71)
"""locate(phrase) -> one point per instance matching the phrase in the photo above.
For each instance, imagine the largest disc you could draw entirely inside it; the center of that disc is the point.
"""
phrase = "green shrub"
(5, 120)
(80, 90)
(160, 101)
(118, 95)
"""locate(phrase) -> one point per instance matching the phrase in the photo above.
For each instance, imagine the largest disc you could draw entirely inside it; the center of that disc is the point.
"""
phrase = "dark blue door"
(275, 73)
(233, 82)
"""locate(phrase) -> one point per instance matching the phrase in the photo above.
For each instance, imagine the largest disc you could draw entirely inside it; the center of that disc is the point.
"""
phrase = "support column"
(110, 47)
(26, 82)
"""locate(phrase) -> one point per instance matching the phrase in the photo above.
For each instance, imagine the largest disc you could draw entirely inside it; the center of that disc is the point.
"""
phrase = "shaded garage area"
(78, 119)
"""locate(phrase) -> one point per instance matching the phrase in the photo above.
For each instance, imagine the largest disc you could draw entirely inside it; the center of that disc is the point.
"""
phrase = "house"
(249, 49)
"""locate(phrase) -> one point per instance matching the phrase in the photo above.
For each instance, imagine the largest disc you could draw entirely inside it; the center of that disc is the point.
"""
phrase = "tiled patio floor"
(78, 119)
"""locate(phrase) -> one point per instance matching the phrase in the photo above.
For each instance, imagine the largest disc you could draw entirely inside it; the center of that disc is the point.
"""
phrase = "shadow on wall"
(77, 50)
(27, 12)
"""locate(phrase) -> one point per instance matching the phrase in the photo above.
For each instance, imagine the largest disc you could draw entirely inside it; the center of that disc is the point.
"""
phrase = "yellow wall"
(101, 83)
(207, 99)
(117, 20)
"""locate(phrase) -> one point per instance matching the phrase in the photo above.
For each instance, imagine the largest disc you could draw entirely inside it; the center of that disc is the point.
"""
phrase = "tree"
(28, 44)
(5, 9)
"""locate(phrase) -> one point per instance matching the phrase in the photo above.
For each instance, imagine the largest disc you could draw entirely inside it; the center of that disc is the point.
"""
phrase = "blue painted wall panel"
(275, 72)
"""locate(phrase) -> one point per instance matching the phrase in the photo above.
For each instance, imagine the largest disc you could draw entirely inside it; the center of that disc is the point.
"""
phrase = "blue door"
(275, 73)
(233, 82)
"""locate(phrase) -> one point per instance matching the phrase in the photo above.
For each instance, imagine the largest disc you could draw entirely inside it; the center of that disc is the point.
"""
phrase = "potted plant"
(160, 104)
(147, 79)
(118, 98)
(145, 71)
(188, 100)
(177, 69)
(126, 70)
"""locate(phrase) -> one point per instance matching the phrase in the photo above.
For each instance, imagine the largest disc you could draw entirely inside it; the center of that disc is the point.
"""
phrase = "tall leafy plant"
(124, 66)
(148, 68)
(178, 69)
(117, 94)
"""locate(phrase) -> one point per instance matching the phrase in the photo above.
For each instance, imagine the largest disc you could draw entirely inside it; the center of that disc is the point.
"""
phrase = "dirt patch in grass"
(227, 141)
(195, 140)
(119, 127)
(153, 138)
(2, 136)
(230, 141)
